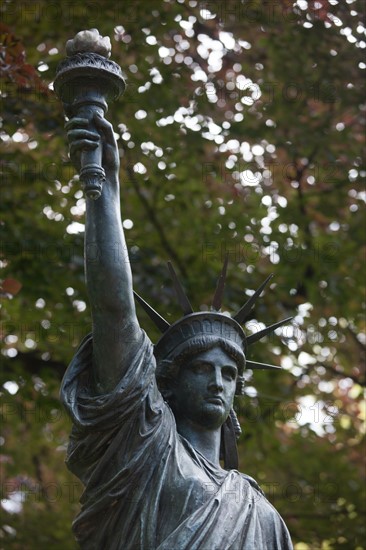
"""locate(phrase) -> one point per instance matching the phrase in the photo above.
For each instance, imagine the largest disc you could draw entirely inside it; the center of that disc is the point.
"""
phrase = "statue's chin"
(213, 416)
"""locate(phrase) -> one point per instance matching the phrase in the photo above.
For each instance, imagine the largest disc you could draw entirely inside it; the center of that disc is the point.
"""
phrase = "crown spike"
(246, 308)
(254, 365)
(182, 298)
(260, 334)
(156, 318)
(217, 299)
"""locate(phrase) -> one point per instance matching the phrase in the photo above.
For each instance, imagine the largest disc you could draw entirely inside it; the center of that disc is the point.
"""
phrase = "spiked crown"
(210, 325)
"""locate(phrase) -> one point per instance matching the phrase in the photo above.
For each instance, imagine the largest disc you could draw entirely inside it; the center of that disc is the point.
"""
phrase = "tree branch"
(155, 222)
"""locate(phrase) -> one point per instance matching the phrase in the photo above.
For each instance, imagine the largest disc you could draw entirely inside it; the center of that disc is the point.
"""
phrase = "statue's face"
(205, 388)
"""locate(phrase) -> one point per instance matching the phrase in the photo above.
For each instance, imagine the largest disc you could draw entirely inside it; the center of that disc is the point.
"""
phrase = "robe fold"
(146, 487)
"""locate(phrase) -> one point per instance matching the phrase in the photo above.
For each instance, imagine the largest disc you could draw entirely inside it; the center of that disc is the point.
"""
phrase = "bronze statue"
(151, 423)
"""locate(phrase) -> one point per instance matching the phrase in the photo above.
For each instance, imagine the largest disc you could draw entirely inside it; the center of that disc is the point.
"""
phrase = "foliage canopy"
(241, 131)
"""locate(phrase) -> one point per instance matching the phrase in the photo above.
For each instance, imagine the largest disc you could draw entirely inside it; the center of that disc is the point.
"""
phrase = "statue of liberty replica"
(154, 430)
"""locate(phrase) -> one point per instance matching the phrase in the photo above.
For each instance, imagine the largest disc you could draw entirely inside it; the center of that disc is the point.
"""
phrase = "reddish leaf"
(11, 286)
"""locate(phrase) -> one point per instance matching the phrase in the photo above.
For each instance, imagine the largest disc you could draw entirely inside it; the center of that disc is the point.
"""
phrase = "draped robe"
(146, 487)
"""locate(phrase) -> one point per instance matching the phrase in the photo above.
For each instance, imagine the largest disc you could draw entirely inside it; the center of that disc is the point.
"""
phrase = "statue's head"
(201, 347)
(194, 335)
(200, 365)
(199, 383)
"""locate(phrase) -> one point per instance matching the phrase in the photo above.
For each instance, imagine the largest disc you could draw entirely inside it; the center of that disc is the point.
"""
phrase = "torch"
(84, 82)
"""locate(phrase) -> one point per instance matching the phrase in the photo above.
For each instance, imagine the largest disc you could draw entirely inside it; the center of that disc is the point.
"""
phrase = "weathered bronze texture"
(154, 428)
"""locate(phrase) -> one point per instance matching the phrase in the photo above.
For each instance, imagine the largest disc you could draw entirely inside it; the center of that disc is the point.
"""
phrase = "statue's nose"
(216, 383)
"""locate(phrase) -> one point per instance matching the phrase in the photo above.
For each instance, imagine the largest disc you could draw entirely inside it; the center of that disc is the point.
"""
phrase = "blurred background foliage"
(241, 131)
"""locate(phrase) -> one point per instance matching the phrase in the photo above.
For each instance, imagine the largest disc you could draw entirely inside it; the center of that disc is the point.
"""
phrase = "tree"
(241, 131)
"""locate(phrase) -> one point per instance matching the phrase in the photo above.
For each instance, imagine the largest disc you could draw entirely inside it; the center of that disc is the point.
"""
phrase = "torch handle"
(92, 174)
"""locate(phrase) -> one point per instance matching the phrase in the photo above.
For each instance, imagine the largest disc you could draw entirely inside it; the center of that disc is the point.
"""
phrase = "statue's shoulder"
(252, 482)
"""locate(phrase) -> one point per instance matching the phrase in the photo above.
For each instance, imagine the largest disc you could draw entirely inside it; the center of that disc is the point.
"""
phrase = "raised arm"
(108, 273)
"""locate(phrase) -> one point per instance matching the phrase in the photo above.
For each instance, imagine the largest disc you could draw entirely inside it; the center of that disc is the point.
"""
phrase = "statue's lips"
(216, 400)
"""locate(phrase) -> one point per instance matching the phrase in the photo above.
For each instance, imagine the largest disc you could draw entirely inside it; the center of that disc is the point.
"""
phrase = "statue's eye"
(229, 373)
(201, 368)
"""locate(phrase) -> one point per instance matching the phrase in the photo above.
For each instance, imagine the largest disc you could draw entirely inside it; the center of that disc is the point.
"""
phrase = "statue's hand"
(84, 136)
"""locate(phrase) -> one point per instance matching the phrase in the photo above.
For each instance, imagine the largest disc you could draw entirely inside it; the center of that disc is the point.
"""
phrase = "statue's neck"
(207, 442)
